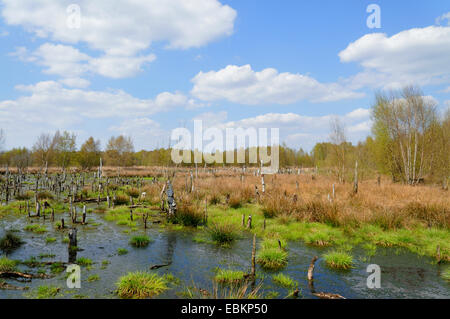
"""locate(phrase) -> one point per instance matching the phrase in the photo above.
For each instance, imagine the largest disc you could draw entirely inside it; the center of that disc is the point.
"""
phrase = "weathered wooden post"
(249, 222)
(171, 200)
(334, 192)
(145, 220)
(62, 223)
(243, 220)
(355, 185)
(73, 238)
(263, 184)
(131, 214)
(108, 201)
(52, 216)
(84, 215)
(38, 209)
(311, 269)
(253, 274)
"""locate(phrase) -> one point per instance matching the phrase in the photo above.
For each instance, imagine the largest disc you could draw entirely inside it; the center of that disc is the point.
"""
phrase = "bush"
(188, 214)
(140, 285)
(44, 195)
(133, 192)
(25, 196)
(121, 200)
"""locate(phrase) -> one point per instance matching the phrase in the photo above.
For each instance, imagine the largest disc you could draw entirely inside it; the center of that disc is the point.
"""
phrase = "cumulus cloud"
(120, 30)
(305, 131)
(48, 106)
(415, 56)
(241, 84)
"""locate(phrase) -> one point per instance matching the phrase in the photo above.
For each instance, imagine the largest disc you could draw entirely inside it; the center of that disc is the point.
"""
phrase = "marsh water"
(403, 274)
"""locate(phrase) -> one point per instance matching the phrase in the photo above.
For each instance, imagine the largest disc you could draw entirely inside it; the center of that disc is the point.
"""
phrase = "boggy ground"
(292, 208)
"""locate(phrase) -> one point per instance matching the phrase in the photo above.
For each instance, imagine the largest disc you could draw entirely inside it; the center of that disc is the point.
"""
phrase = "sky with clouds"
(142, 68)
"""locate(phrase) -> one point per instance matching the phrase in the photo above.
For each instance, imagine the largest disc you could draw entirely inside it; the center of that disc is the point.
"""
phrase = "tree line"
(410, 140)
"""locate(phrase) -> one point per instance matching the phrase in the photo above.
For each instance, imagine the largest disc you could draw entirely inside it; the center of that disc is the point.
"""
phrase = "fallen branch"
(5, 286)
(321, 295)
(17, 274)
(158, 266)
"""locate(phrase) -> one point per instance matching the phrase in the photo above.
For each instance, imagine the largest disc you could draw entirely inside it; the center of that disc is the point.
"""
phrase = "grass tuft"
(140, 285)
(338, 260)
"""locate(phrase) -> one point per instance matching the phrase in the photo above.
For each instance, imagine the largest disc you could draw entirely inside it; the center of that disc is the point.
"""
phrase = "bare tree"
(43, 149)
(407, 117)
(65, 148)
(338, 140)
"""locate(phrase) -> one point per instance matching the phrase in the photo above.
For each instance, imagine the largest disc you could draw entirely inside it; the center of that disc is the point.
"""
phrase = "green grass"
(82, 261)
(122, 251)
(284, 281)
(44, 292)
(141, 285)
(338, 260)
(34, 228)
(272, 258)
(57, 268)
(93, 278)
(50, 240)
(7, 265)
(446, 274)
(222, 233)
(10, 242)
(229, 276)
(140, 241)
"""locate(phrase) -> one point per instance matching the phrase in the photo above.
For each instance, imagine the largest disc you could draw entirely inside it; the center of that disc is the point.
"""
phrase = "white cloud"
(441, 20)
(69, 63)
(50, 105)
(241, 84)
(211, 119)
(145, 132)
(305, 131)
(121, 30)
(416, 56)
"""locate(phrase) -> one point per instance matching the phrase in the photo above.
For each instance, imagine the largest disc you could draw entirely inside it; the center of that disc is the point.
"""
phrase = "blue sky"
(147, 67)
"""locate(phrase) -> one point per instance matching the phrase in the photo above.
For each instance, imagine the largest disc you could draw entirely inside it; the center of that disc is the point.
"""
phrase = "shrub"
(140, 285)
(121, 200)
(235, 201)
(25, 196)
(338, 260)
(122, 251)
(133, 192)
(188, 214)
(222, 233)
(44, 195)
(140, 241)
